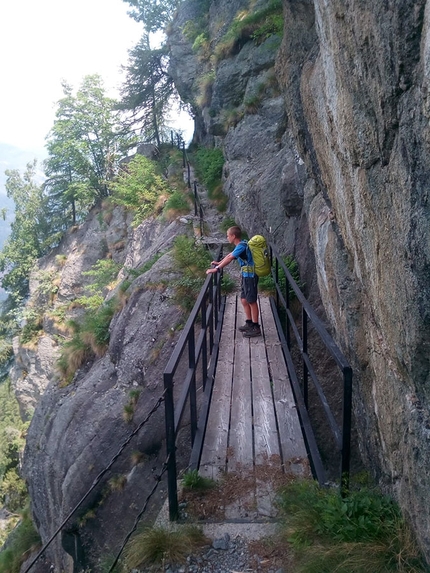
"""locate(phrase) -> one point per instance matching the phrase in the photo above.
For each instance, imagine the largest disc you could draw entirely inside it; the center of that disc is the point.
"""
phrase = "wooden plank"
(293, 448)
(240, 462)
(240, 451)
(266, 439)
(214, 454)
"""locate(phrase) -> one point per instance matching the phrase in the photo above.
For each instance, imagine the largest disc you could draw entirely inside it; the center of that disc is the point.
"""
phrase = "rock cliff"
(336, 170)
(326, 140)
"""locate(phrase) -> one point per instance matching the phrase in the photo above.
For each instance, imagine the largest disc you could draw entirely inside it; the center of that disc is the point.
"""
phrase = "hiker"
(249, 286)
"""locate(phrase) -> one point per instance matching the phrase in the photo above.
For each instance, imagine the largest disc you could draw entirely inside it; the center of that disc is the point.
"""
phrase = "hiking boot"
(253, 331)
(247, 326)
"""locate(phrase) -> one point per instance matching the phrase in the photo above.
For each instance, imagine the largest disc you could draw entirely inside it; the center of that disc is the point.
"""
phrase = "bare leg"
(251, 310)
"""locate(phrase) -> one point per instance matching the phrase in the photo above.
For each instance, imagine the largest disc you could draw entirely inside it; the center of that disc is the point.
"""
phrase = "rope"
(139, 515)
(97, 480)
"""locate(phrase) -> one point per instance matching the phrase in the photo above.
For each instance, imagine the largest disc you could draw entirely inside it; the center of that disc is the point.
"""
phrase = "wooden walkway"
(253, 439)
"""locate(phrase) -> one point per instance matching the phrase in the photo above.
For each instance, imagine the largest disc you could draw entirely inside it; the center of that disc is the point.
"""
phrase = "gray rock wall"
(363, 129)
(336, 171)
(77, 429)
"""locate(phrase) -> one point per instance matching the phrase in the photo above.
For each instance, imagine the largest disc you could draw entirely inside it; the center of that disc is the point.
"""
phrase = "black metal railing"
(341, 432)
(201, 342)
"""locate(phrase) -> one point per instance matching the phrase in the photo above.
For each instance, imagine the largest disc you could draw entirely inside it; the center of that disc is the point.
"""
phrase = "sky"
(42, 43)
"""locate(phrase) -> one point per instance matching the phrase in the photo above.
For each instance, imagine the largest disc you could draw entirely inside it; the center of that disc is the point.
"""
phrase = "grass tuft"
(361, 533)
(159, 546)
(193, 480)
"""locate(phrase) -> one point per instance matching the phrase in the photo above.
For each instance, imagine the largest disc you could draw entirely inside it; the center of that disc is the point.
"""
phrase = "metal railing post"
(193, 392)
(287, 320)
(171, 448)
(212, 315)
(305, 351)
(195, 198)
(205, 341)
(346, 428)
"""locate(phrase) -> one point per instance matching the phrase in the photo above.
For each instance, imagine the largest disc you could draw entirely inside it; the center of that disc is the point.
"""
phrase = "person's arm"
(221, 264)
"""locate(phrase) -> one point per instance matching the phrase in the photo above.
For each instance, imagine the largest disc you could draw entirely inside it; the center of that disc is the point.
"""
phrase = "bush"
(91, 338)
(193, 480)
(256, 26)
(361, 533)
(193, 260)
(103, 273)
(139, 187)
(209, 163)
(177, 203)
(22, 541)
(267, 284)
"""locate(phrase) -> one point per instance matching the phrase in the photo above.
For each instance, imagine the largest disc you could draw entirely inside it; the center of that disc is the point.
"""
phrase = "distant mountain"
(13, 158)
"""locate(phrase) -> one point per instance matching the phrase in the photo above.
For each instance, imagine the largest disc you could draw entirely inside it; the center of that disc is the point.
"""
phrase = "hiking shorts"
(249, 288)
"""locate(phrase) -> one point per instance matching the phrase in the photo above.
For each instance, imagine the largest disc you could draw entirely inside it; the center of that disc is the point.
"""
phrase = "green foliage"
(103, 272)
(205, 83)
(193, 480)
(6, 351)
(154, 14)
(193, 260)
(23, 541)
(84, 146)
(13, 493)
(256, 26)
(139, 186)
(356, 534)
(177, 203)
(227, 284)
(209, 163)
(157, 545)
(130, 407)
(30, 231)
(32, 328)
(47, 283)
(90, 338)
(273, 24)
(267, 284)
(148, 91)
(227, 223)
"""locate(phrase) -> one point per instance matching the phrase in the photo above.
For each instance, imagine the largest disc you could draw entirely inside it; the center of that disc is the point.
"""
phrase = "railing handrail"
(342, 434)
(316, 321)
(210, 309)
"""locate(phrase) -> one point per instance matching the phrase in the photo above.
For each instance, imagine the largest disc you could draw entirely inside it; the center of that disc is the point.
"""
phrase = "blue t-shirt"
(243, 256)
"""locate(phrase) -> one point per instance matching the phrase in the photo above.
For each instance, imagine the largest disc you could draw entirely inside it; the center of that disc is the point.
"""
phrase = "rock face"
(336, 171)
(77, 429)
(326, 141)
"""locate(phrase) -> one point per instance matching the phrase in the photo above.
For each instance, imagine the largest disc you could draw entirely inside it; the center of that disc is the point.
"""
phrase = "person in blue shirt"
(249, 286)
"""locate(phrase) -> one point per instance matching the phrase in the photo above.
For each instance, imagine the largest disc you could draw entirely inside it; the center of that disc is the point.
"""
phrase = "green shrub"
(193, 260)
(91, 338)
(32, 327)
(6, 351)
(13, 493)
(205, 83)
(139, 187)
(178, 203)
(267, 284)
(227, 223)
(209, 163)
(193, 480)
(23, 540)
(103, 272)
(256, 26)
(360, 533)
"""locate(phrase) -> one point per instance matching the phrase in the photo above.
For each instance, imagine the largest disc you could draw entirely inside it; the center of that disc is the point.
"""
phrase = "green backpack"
(260, 254)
